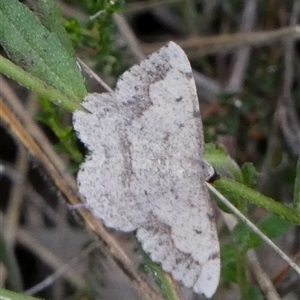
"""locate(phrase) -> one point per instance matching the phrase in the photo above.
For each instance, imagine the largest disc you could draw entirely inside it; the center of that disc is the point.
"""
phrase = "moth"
(146, 172)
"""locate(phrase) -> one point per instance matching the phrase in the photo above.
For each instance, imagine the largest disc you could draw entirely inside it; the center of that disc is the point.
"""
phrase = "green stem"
(36, 85)
(237, 192)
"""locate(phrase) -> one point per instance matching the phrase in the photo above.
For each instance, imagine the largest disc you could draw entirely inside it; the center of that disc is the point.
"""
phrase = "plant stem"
(36, 85)
(234, 190)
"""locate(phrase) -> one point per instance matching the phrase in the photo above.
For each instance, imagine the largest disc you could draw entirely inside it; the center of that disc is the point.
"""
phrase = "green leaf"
(49, 13)
(160, 277)
(38, 51)
(272, 226)
(217, 156)
(229, 257)
(250, 175)
(254, 293)
(241, 236)
(8, 295)
(296, 197)
(73, 29)
(51, 116)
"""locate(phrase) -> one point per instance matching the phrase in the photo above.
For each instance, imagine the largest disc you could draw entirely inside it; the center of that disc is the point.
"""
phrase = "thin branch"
(262, 277)
(28, 241)
(15, 200)
(129, 37)
(34, 131)
(201, 46)
(288, 118)
(254, 228)
(138, 7)
(60, 271)
(241, 57)
(92, 74)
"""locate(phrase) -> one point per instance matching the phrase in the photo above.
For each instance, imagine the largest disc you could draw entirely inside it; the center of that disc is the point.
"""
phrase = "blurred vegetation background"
(246, 62)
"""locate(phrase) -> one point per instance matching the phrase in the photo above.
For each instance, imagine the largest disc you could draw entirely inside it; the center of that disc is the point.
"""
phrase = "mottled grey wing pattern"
(146, 170)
